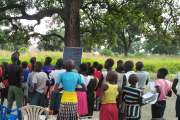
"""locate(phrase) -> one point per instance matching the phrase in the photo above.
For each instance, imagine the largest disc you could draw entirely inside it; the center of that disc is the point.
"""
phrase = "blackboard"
(74, 53)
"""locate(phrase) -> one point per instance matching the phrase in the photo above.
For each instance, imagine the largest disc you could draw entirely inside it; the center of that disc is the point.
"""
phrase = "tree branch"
(48, 35)
(40, 15)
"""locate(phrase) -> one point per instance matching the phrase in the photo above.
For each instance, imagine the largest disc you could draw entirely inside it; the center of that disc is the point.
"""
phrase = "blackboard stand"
(74, 53)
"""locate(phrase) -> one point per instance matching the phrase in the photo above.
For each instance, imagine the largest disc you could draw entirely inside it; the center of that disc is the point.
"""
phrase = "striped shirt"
(132, 106)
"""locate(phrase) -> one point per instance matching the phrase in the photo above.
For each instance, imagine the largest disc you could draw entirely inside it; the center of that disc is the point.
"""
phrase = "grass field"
(151, 63)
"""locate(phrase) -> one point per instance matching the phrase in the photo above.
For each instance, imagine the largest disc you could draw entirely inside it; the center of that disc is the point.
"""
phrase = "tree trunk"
(72, 23)
(120, 50)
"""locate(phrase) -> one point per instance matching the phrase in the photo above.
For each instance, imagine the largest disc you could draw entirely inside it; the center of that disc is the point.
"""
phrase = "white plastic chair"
(33, 112)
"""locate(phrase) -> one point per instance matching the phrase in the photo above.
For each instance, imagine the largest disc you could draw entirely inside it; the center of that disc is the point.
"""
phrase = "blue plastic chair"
(5, 116)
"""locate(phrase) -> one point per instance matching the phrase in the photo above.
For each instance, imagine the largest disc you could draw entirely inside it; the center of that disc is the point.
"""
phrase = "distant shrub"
(116, 54)
(105, 52)
(141, 54)
(23, 50)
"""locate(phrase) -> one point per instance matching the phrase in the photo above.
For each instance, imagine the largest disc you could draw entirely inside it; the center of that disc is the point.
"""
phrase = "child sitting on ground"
(107, 98)
(24, 84)
(163, 87)
(143, 76)
(39, 80)
(133, 99)
(90, 92)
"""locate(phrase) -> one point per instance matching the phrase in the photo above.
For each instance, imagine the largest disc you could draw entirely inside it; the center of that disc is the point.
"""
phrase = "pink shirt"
(165, 86)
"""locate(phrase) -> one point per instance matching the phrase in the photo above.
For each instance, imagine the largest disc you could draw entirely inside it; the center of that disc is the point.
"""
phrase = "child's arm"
(100, 82)
(140, 101)
(124, 82)
(49, 85)
(34, 89)
(158, 91)
(104, 87)
(175, 82)
(56, 90)
(119, 96)
(83, 89)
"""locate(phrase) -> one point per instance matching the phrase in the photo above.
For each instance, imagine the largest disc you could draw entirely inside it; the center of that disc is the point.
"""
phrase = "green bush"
(141, 54)
(23, 50)
(116, 54)
(105, 52)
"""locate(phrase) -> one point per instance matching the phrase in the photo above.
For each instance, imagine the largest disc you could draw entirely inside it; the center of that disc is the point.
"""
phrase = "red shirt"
(0, 73)
(29, 67)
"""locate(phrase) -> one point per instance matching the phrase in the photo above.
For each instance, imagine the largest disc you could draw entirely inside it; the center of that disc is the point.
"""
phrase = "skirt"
(82, 103)
(108, 111)
(67, 111)
(50, 91)
(55, 101)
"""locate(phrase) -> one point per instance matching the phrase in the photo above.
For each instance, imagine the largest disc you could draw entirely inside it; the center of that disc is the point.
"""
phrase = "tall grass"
(151, 63)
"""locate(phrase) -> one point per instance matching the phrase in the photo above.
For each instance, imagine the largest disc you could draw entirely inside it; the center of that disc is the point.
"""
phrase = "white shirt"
(143, 77)
(86, 80)
(178, 77)
(54, 75)
(120, 79)
(127, 78)
(40, 79)
(104, 73)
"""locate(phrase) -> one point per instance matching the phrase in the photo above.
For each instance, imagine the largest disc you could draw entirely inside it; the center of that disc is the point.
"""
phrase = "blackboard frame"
(73, 50)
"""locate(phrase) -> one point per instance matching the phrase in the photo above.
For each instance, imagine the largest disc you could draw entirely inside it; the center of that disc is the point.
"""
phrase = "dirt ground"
(146, 109)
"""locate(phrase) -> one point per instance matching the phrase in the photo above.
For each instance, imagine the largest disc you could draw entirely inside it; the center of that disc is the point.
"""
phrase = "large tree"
(78, 17)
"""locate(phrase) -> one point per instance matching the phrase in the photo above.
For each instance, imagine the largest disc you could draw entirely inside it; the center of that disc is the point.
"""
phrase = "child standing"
(163, 87)
(48, 68)
(98, 74)
(82, 96)
(143, 76)
(90, 92)
(177, 93)
(24, 84)
(133, 99)
(15, 76)
(39, 80)
(107, 98)
(29, 80)
(128, 68)
(69, 80)
(56, 98)
(33, 61)
(4, 91)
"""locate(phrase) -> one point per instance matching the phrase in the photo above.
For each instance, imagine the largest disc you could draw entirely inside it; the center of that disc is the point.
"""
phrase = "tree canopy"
(99, 19)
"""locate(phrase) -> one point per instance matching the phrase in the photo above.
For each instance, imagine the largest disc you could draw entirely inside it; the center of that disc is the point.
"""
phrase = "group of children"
(117, 94)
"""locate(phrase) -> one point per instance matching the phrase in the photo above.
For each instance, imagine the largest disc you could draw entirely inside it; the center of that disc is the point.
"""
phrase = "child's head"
(90, 71)
(88, 64)
(48, 61)
(82, 68)
(14, 57)
(69, 65)
(33, 60)
(95, 64)
(139, 66)
(108, 63)
(161, 74)
(99, 67)
(63, 66)
(120, 67)
(59, 63)
(111, 76)
(119, 62)
(24, 65)
(3, 65)
(133, 79)
(38, 67)
(17, 53)
(128, 66)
